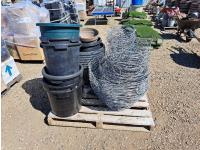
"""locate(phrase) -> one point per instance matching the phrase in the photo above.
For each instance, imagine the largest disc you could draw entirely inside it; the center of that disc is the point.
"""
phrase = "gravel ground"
(174, 98)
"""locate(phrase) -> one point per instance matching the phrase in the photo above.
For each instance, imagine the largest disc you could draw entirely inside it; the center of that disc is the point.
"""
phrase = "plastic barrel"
(64, 101)
(62, 57)
(59, 30)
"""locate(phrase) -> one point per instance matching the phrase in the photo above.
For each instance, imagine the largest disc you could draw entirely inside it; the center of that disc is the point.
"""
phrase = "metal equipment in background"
(188, 25)
(106, 10)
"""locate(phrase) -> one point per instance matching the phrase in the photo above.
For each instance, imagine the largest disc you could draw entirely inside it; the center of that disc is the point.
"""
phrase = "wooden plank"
(62, 123)
(125, 128)
(140, 105)
(91, 96)
(126, 112)
(142, 102)
(96, 102)
(91, 126)
(99, 123)
(92, 102)
(109, 119)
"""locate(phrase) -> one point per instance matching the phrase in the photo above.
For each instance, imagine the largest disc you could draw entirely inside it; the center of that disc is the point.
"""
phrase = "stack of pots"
(56, 11)
(62, 75)
(91, 49)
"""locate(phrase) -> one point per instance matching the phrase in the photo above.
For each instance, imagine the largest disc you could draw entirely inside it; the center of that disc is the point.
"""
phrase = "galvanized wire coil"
(121, 77)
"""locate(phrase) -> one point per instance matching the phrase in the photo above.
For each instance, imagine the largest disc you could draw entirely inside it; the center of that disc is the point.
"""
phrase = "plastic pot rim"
(58, 25)
(51, 77)
(57, 89)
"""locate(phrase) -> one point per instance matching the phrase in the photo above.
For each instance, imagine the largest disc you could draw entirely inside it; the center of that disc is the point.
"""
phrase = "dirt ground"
(174, 99)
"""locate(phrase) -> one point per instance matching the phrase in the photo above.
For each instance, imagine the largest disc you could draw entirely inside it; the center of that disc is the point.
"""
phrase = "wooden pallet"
(94, 114)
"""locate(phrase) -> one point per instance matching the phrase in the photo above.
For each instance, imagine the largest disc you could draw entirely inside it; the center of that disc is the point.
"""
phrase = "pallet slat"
(141, 103)
(91, 126)
(126, 112)
(96, 102)
(109, 119)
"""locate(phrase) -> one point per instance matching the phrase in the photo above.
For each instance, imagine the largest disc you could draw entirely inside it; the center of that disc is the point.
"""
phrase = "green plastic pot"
(59, 30)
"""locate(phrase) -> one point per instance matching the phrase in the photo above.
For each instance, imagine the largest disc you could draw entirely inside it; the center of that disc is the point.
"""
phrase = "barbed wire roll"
(121, 77)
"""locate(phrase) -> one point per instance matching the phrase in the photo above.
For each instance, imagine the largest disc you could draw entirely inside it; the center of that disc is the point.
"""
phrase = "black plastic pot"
(63, 80)
(56, 10)
(64, 101)
(62, 57)
(90, 44)
(86, 57)
(89, 49)
(85, 60)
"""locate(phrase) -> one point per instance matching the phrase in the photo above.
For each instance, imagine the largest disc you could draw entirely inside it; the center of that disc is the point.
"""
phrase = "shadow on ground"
(38, 97)
(184, 58)
(98, 21)
(171, 36)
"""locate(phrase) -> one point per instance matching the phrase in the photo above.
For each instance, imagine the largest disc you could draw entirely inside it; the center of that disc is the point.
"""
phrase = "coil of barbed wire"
(121, 77)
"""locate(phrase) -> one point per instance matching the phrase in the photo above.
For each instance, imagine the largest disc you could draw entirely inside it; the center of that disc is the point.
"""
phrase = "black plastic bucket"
(56, 10)
(91, 44)
(63, 80)
(86, 57)
(61, 56)
(64, 101)
(89, 49)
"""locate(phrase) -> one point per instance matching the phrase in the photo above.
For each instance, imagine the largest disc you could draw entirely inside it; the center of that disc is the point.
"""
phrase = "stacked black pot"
(90, 50)
(62, 75)
(56, 11)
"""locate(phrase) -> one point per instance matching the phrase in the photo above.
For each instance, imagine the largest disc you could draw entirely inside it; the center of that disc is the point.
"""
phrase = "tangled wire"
(121, 77)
